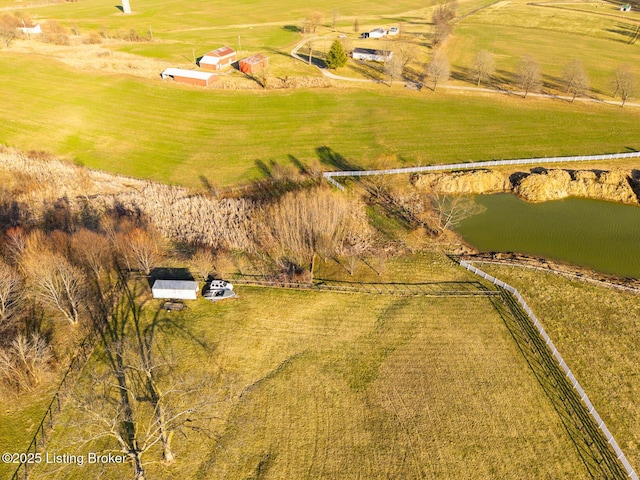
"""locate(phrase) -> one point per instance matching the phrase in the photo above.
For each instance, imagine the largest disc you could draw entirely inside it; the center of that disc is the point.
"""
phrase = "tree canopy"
(336, 57)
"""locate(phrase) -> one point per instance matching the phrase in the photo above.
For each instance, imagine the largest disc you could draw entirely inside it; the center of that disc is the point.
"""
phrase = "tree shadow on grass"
(334, 159)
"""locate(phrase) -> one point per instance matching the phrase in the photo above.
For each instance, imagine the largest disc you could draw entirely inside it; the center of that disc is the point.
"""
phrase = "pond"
(600, 235)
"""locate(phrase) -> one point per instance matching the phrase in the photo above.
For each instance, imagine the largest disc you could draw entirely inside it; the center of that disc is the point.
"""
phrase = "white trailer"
(175, 289)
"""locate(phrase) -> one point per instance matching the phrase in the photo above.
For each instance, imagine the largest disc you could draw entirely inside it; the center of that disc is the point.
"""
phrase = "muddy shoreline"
(570, 271)
(539, 184)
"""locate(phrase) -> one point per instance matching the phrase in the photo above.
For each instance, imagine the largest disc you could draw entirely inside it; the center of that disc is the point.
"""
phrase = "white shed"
(175, 289)
(371, 55)
(377, 33)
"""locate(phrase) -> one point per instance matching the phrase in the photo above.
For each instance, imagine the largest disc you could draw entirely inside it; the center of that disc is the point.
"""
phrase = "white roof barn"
(193, 77)
(175, 289)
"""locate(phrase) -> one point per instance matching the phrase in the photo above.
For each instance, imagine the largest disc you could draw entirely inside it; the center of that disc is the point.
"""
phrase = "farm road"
(333, 76)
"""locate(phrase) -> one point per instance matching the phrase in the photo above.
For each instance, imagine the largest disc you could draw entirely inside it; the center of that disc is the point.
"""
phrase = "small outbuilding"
(625, 8)
(377, 33)
(371, 55)
(254, 63)
(218, 59)
(175, 289)
(192, 77)
(31, 29)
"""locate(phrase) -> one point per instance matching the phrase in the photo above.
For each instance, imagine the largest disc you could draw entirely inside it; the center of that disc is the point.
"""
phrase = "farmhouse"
(254, 63)
(218, 59)
(191, 77)
(371, 55)
(175, 289)
(31, 29)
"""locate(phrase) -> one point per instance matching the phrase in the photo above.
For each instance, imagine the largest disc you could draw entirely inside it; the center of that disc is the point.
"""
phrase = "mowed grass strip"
(342, 386)
(174, 133)
(596, 330)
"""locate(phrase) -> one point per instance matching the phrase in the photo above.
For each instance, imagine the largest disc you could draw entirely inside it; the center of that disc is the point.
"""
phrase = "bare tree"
(54, 280)
(24, 362)
(10, 293)
(444, 212)
(56, 283)
(443, 21)
(16, 243)
(335, 15)
(438, 69)
(624, 81)
(93, 251)
(203, 262)
(406, 52)
(484, 65)
(8, 29)
(393, 68)
(311, 23)
(356, 25)
(311, 222)
(575, 78)
(354, 246)
(139, 249)
(528, 75)
(134, 400)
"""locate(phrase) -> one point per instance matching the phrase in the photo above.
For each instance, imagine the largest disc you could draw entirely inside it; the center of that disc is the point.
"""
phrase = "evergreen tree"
(336, 57)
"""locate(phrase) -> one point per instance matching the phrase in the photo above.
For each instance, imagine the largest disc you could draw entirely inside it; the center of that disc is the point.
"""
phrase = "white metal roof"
(175, 285)
(179, 72)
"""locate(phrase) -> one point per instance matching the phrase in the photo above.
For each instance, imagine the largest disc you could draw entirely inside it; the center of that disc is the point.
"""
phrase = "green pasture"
(342, 386)
(596, 330)
(174, 133)
(168, 15)
(19, 419)
(552, 36)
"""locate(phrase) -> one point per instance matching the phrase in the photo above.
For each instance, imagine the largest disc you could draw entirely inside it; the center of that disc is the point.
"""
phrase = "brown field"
(344, 386)
(595, 329)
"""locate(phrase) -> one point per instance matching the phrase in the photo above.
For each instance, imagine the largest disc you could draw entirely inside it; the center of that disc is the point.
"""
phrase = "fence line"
(573, 276)
(462, 166)
(433, 289)
(562, 364)
(55, 406)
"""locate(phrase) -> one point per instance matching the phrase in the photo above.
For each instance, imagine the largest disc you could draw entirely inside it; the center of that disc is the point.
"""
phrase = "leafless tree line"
(57, 276)
(133, 396)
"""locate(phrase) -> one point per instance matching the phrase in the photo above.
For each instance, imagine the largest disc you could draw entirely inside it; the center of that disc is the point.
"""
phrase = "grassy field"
(148, 129)
(347, 386)
(552, 36)
(595, 329)
(19, 420)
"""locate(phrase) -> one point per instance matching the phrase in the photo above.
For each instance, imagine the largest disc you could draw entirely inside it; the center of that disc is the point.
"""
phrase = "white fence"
(462, 166)
(554, 351)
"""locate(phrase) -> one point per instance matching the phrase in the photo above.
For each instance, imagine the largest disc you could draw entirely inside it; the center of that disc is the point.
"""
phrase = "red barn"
(191, 77)
(218, 59)
(253, 64)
